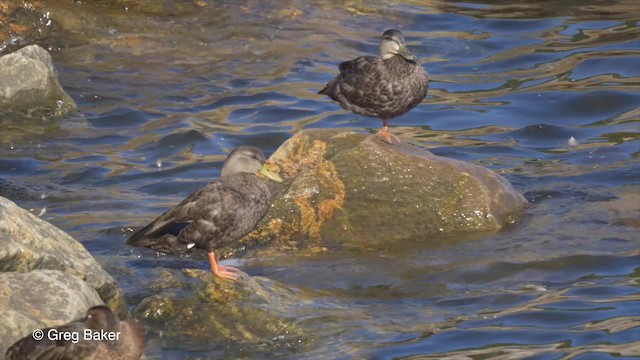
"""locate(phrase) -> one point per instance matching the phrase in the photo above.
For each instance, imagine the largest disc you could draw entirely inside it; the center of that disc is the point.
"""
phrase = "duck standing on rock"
(383, 87)
(98, 336)
(217, 214)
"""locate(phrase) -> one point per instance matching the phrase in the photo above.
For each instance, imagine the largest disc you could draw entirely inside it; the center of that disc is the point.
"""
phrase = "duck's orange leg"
(387, 136)
(225, 272)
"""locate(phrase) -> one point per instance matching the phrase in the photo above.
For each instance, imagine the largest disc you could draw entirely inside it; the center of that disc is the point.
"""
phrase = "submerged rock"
(40, 299)
(29, 84)
(194, 306)
(352, 189)
(28, 243)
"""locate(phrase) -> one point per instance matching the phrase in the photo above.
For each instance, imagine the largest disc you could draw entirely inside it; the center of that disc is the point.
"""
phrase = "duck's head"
(247, 159)
(393, 44)
(101, 318)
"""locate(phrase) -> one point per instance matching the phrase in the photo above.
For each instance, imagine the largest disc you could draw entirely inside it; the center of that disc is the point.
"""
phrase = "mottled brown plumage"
(215, 215)
(129, 344)
(383, 87)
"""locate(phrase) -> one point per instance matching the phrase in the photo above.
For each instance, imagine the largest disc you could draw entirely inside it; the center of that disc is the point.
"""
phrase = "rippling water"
(165, 89)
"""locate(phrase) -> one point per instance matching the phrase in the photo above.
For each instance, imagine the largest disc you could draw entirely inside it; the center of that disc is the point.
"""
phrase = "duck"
(85, 339)
(217, 214)
(383, 87)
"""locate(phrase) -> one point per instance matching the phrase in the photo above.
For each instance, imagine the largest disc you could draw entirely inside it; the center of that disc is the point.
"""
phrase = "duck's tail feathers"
(167, 241)
(328, 89)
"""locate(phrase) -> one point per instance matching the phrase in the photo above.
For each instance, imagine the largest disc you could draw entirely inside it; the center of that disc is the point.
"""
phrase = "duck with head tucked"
(383, 87)
(217, 214)
(100, 335)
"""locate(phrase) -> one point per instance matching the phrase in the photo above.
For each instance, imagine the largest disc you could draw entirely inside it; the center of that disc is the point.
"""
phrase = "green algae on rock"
(351, 189)
(205, 309)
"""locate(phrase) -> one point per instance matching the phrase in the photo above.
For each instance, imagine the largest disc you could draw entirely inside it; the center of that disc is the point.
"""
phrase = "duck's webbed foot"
(225, 272)
(385, 135)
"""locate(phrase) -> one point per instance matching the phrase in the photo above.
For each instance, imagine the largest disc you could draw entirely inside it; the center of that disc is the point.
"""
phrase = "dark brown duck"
(217, 214)
(383, 87)
(126, 343)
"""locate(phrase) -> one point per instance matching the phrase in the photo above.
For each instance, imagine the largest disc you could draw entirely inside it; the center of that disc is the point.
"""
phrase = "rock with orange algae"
(351, 189)
(23, 23)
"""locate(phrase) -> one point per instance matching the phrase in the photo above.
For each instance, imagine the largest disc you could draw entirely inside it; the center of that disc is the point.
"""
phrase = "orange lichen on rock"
(296, 154)
(329, 179)
(273, 227)
(307, 214)
(314, 192)
(317, 207)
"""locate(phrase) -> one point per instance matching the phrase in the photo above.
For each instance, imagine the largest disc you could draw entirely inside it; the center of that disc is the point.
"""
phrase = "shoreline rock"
(40, 299)
(47, 278)
(30, 243)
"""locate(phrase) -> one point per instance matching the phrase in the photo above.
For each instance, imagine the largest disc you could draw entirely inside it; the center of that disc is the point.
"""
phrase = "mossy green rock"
(353, 189)
(203, 309)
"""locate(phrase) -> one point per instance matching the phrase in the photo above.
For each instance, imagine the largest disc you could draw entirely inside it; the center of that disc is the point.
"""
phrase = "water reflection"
(183, 82)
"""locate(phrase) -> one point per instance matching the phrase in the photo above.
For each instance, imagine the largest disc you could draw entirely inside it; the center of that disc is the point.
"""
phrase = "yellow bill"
(270, 174)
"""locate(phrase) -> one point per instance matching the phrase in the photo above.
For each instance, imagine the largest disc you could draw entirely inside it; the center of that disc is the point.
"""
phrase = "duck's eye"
(255, 157)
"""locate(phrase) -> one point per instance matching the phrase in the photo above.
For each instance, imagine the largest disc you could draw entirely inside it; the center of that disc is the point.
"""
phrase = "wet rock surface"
(352, 189)
(29, 243)
(29, 84)
(191, 305)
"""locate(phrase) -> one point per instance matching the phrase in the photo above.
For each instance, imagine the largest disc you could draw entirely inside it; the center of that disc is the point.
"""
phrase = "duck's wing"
(362, 66)
(218, 224)
(357, 88)
(351, 72)
(162, 233)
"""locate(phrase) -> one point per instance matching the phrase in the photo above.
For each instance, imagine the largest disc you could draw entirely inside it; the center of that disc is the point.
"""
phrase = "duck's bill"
(407, 54)
(270, 174)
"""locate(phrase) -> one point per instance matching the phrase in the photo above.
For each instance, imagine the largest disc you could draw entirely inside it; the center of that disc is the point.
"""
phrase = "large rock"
(28, 243)
(29, 84)
(352, 189)
(39, 299)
